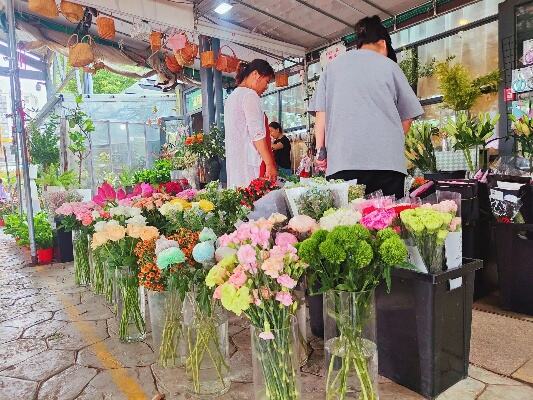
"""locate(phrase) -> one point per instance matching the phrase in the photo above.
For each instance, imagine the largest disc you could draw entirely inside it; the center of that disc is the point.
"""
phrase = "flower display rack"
(424, 327)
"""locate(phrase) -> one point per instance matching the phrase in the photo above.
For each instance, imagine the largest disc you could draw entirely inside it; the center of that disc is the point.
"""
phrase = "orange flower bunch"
(156, 200)
(198, 138)
(150, 275)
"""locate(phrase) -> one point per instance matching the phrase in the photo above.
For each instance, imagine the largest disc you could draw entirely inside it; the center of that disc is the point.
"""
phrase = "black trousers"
(389, 182)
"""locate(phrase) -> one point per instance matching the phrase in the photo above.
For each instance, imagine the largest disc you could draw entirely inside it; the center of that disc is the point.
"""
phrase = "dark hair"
(371, 30)
(259, 65)
(275, 125)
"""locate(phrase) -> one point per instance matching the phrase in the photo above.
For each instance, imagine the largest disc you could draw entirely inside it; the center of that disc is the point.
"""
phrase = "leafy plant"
(44, 142)
(44, 234)
(159, 173)
(16, 226)
(419, 148)
(459, 90)
(127, 178)
(80, 128)
(471, 132)
(207, 146)
(523, 128)
(51, 177)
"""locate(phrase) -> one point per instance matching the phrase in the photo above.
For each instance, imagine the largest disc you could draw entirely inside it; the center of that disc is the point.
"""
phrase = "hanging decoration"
(106, 27)
(187, 54)
(207, 57)
(172, 64)
(282, 76)
(155, 41)
(80, 52)
(177, 41)
(227, 63)
(71, 11)
(46, 8)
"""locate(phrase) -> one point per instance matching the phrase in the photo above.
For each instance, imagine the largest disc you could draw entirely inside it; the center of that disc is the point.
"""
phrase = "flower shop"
(138, 209)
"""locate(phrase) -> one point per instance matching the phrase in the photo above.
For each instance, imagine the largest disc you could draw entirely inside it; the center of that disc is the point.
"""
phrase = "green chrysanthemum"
(393, 251)
(386, 233)
(320, 235)
(360, 232)
(308, 250)
(332, 252)
(343, 236)
(364, 254)
(170, 256)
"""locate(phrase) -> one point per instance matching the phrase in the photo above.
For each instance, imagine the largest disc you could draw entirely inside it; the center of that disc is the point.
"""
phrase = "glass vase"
(130, 304)
(97, 271)
(109, 284)
(276, 363)
(206, 349)
(350, 345)
(165, 317)
(80, 244)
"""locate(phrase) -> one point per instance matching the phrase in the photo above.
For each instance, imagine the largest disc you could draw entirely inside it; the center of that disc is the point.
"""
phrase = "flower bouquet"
(257, 277)
(78, 217)
(116, 239)
(350, 262)
(428, 226)
(164, 267)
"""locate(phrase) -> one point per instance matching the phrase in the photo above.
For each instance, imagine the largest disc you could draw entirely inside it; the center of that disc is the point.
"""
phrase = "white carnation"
(341, 217)
(137, 220)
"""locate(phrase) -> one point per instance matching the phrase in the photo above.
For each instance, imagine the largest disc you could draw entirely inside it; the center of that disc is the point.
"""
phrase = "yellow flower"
(115, 232)
(215, 276)
(185, 205)
(235, 300)
(206, 205)
(134, 230)
(149, 233)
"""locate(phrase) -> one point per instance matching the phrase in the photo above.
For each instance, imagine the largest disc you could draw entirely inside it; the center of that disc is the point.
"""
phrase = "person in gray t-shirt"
(364, 105)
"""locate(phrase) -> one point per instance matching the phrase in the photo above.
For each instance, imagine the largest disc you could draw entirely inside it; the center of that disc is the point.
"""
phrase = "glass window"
(270, 106)
(524, 27)
(476, 48)
(137, 146)
(293, 107)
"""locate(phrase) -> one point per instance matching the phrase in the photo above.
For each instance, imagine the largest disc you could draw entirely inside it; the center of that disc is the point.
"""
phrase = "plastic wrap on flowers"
(271, 203)
(80, 243)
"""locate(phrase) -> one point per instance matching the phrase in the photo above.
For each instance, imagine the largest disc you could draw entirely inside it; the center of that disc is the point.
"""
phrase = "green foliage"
(80, 128)
(44, 142)
(419, 148)
(104, 82)
(458, 89)
(159, 173)
(50, 176)
(127, 178)
(315, 202)
(44, 234)
(16, 226)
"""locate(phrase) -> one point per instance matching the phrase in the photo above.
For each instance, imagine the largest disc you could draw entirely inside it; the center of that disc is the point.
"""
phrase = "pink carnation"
(260, 237)
(284, 298)
(238, 278)
(285, 238)
(378, 219)
(216, 293)
(272, 266)
(247, 255)
(286, 281)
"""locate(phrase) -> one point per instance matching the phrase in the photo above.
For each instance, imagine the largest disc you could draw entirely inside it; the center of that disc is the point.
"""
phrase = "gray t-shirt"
(366, 97)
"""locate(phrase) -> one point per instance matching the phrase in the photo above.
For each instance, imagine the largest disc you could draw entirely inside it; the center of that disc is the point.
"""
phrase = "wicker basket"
(186, 56)
(72, 11)
(227, 63)
(172, 64)
(282, 79)
(106, 27)
(46, 8)
(80, 52)
(207, 59)
(155, 41)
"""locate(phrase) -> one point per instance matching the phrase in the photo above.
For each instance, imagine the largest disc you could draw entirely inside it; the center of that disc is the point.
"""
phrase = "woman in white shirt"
(247, 137)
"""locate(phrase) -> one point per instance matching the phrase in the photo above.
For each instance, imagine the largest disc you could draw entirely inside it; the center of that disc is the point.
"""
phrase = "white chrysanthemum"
(99, 226)
(137, 220)
(341, 217)
(117, 211)
(132, 212)
(169, 209)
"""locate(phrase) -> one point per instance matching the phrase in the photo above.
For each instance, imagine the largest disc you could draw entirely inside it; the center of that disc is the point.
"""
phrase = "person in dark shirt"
(282, 148)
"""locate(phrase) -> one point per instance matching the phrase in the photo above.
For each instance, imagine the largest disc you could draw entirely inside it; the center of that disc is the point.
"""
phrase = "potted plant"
(44, 238)
(419, 149)
(523, 128)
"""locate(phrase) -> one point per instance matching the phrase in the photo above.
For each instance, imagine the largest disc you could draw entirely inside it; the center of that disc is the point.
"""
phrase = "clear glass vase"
(167, 333)
(97, 271)
(276, 363)
(350, 345)
(80, 245)
(206, 349)
(109, 284)
(130, 302)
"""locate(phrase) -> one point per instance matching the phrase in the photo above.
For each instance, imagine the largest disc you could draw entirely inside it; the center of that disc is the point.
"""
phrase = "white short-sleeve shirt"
(244, 122)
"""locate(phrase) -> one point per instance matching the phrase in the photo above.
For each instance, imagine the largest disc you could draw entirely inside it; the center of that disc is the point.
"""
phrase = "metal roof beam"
(280, 19)
(374, 5)
(319, 10)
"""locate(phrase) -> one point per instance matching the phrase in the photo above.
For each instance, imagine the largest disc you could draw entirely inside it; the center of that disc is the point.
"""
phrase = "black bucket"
(424, 328)
(515, 266)
(65, 252)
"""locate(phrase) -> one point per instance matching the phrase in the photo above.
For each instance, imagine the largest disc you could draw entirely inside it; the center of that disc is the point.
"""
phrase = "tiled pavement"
(58, 341)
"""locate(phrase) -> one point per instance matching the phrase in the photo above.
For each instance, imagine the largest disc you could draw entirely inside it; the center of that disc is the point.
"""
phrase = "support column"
(206, 77)
(18, 116)
(219, 90)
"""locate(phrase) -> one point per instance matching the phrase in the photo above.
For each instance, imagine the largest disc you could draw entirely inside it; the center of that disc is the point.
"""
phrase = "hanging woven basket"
(172, 64)
(186, 56)
(155, 41)
(72, 11)
(207, 59)
(46, 8)
(80, 52)
(106, 27)
(282, 79)
(227, 63)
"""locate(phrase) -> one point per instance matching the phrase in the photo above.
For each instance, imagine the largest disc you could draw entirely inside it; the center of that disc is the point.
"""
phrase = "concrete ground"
(59, 341)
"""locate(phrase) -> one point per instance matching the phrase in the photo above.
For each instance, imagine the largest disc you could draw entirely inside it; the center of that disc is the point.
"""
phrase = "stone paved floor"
(58, 341)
